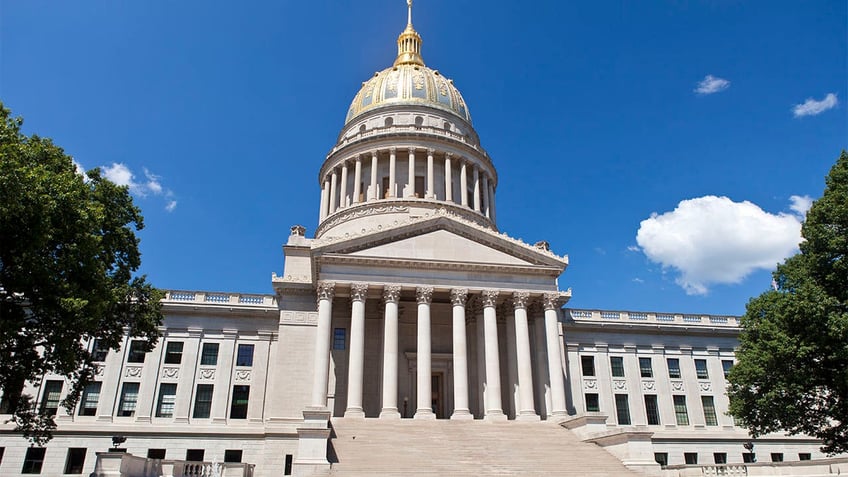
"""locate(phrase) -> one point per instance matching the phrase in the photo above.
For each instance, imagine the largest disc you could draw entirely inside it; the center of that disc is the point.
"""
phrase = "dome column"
(448, 178)
(492, 201)
(463, 182)
(333, 184)
(374, 193)
(411, 184)
(343, 193)
(431, 178)
(325, 199)
(357, 180)
(485, 191)
(476, 188)
(392, 163)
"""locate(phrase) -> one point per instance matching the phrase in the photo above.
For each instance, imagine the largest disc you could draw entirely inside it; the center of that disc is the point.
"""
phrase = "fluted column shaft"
(356, 360)
(526, 409)
(392, 167)
(485, 194)
(431, 175)
(492, 201)
(357, 181)
(375, 193)
(494, 406)
(411, 181)
(551, 303)
(391, 296)
(424, 401)
(448, 179)
(343, 193)
(476, 189)
(326, 291)
(463, 182)
(333, 184)
(460, 356)
(325, 200)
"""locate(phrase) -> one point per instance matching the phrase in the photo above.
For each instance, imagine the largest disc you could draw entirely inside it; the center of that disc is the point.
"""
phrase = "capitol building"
(408, 335)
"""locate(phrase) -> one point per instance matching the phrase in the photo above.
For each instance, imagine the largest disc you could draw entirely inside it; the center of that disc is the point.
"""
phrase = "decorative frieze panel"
(619, 385)
(705, 386)
(133, 371)
(677, 386)
(649, 386)
(590, 384)
(171, 373)
(207, 374)
(242, 375)
(99, 370)
(305, 318)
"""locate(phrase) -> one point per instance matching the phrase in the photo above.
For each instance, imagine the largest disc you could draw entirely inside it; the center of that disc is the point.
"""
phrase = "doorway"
(437, 388)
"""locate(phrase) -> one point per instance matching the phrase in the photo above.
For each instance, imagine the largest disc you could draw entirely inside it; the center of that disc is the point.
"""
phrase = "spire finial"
(409, 42)
(409, 15)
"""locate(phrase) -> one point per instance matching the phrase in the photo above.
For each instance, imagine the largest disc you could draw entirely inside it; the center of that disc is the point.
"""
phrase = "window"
(652, 410)
(709, 410)
(701, 369)
(588, 364)
(661, 458)
(288, 468)
(99, 351)
(75, 460)
(645, 368)
(174, 352)
(720, 457)
(777, 456)
(194, 455)
(691, 458)
(238, 409)
(749, 457)
(419, 187)
(90, 396)
(167, 399)
(245, 355)
(137, 352)
(339, 338)
(673, 368)
(617, 366)
(680, 412)
(592, 403)
(3, 449)
(50, 398)
(232, 455)
(203, 401)
(156, 454)
(801, 456)
(129, 398)
(33, 460)
(622, 409)
(726, 364)
(209, 355)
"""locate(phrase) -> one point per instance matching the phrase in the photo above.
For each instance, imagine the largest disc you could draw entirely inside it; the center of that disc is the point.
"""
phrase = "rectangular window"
(99, 351)
(245, 355)
(287, 470)
(805, 456)
(209, 355)
(720, 457)
(232, 455)
(691, 458)
(709, 410)
(680, 412)
(3, 449)
(238, 409)
(203, 401)
(592, 403)
(646, 370)
(701, 369)
(419, 187)
(661, 458)
(777, 456)
(617, 366)
(167, 399)
(339, 339)
(726, 364)
(33, 460)
(673, 368)
(195, 455)
(90, 397)
(75, 460)
(129, 398)
(749, 457)
(136, 353)
(652, 410)
(622, 409)
(51, 397)
(588, 364)
(174, 352)
(156, 454)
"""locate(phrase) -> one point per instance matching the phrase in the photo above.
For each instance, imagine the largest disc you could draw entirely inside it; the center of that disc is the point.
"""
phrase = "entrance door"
(438, 391)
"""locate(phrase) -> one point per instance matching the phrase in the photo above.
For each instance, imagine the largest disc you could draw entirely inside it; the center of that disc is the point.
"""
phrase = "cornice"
(343, 259)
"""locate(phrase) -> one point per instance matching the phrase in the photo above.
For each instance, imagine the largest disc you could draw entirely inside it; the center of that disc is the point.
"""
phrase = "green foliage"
(792, 370)
(68, 252)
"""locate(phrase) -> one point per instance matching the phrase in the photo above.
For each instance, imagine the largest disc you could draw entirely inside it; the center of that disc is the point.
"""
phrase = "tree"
(68, 252)
(792, 369)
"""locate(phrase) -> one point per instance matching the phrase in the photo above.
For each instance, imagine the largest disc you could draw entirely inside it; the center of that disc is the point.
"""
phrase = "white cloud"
(80, 169)
(633, 248)
(800, 204)
(171, 205)
(713, 240)
(152, 184)
(638, 280)
(811, 107)
(119, 174)
(712, 84)
(122, 175)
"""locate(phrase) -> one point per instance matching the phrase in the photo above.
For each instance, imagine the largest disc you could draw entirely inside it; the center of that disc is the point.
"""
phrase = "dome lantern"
(409, 43)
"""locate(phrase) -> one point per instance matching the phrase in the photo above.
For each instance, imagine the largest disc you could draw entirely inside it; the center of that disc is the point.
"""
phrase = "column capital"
(391, 293)
(374, 153)
(431, 151)
(358, 158)
(551, 301)
(424, 295)
(393, 149)
(490, 298)
(358, 291)
(412, 150)
(326, 290)
(520, 299)
(459, 296)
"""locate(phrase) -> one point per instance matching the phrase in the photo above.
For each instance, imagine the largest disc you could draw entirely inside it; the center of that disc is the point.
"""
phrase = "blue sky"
(224, 111)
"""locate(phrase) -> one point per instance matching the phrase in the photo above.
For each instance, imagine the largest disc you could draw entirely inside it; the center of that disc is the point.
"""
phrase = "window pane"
(617, 366)
(709, 410)
(195, 455)
(652, 410)
(661, 458)
(622, 409)
(673, 368)
(167, 399)
(75, 461)
(99, 351)
(33, 460)
(136, 353)
(592, 403)
(50, 399)
(245, 355)
(726, 364)
(749, 457)
(720, 457)
(129, 397)
(805, 456)
(588, 364)
(203, 401)
(777, 456)
(680, 411)
(90, 397)
(174, 352)
(232, 455)
(691, 458)
(339, 338)
(646, 370)
(209, 356)
(701, 368)
(156, 453)
(238, 409)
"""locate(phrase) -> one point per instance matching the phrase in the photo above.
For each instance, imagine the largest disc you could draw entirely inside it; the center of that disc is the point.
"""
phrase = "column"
(431, 178)
(357, 180)
(460, 355)
(356, 360)
(448, 178)
(526, 406)
(551, 304)
(463, 183)
(343, 193)
(326, 291)
(424, 401)
(494, 409)
(325, 199)
(391, 296)
(333, 184)
(411, 191)
(392, 163)
(485, 194)
(492, 201)
(476, 188)
(375, 189)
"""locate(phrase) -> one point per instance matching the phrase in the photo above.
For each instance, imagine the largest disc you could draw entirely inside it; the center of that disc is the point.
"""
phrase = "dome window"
(419, 121)
(389, 122)
(362, 128)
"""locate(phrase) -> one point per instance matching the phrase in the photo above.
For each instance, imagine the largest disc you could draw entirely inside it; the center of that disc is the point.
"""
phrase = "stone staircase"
(366, 447)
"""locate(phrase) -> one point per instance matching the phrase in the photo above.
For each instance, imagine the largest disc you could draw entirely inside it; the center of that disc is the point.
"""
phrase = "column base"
(425, 415)
(389, 413)
(527, 416)
(496, 415)
(462, 415)
(354, 412)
